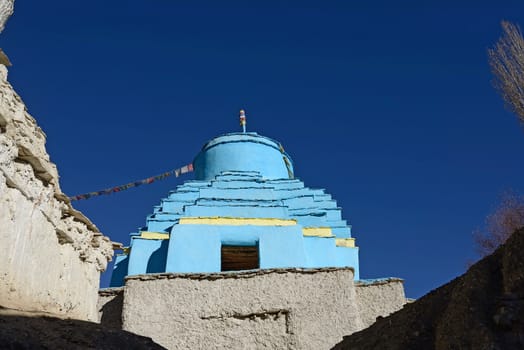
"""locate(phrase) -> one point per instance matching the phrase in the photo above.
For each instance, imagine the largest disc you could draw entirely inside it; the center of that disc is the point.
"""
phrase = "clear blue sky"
(387, 105)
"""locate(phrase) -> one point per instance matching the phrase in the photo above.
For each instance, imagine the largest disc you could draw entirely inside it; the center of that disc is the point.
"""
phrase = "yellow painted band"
(236, 221)
(345, 242)
(317, 232)
(154, 235)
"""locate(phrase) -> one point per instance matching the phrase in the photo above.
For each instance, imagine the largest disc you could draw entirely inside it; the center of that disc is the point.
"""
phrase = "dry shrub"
(507, 217)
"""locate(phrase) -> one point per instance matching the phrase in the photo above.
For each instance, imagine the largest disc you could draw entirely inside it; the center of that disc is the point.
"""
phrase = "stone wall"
(274, 309)
(52, 255)
(379, 297)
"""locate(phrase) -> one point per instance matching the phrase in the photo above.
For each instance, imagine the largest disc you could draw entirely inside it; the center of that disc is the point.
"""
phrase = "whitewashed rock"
(51, 255)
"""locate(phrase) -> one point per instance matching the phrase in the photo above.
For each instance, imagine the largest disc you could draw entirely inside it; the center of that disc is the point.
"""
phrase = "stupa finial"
(243, 120)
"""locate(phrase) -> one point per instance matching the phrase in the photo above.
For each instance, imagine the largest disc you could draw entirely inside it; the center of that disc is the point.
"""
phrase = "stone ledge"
(235, 274)
(377, 281)
(107, 292)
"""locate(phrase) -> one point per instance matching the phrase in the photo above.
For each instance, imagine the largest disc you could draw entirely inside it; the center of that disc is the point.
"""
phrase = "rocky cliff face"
(482, 309)
(51, 255)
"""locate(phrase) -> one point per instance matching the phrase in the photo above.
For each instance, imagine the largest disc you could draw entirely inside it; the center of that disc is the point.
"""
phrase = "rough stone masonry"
(258, 309)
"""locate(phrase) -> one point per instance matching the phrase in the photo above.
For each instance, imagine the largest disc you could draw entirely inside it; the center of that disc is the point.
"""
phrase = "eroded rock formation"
(482, 309)
(51, 255)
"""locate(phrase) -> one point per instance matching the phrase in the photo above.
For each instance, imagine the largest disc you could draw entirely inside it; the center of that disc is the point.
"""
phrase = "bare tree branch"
(507, 65)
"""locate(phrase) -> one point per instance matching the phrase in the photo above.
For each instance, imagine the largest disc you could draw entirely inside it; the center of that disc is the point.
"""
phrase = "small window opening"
(236, 258)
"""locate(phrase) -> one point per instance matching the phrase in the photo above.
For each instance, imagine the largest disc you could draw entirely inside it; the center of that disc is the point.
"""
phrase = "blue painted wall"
(147, 256)
(241, 152)
(348, 257)
(120, 271)
(196, 248)
(320, 252)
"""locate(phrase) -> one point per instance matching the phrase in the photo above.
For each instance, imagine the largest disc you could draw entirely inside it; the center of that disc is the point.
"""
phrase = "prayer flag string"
(177, 172)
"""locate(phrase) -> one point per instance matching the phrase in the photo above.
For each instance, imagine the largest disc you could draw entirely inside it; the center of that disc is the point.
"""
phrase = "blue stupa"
(244, 210)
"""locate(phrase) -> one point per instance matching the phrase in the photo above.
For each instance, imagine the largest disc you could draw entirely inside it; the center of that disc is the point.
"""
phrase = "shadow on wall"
(112, 312)
(119, 271)
(157, 261)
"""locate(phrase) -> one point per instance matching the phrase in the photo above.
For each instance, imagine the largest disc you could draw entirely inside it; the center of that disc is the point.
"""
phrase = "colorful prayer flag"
(177, 172)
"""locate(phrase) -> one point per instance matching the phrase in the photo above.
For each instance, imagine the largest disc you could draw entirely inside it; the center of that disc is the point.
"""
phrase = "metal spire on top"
(243, 120)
